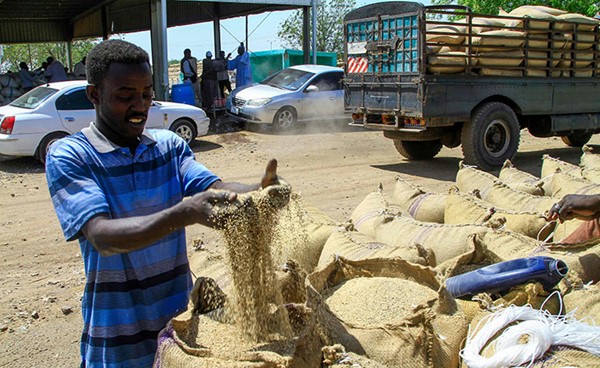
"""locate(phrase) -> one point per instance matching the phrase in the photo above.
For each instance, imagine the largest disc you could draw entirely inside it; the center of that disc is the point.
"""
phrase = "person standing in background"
(26, 78)
(79, 69)
(223, 74)
(55, 72)
(241, 64)
(189, 69)
(209, 84)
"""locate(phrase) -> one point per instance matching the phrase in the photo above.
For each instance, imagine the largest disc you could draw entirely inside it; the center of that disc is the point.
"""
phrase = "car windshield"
(34, 98)
(290, 79)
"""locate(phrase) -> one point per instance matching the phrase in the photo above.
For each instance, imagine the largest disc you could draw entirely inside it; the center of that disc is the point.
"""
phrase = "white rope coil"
(526, 341)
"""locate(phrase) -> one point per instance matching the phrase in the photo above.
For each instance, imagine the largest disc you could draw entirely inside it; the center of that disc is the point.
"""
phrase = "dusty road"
(41, 276)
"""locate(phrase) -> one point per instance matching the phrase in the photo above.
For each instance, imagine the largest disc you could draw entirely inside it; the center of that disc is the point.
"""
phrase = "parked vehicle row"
(32, 122)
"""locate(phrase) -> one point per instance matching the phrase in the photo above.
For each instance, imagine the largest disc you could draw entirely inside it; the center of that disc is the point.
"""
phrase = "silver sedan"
(295, 94)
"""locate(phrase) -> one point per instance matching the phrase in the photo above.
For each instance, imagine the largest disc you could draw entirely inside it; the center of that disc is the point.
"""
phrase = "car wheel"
(577, 138)
(285, 118)
(45, 144)
(185, 129)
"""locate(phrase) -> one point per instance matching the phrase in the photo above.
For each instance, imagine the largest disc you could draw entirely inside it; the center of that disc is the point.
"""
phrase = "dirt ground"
(41, 275)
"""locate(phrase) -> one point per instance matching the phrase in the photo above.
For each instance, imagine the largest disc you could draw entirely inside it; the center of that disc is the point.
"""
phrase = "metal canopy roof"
(30, 21)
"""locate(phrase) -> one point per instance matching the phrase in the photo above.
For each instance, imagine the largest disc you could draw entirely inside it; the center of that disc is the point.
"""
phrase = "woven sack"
(302, 233)
(590, 163)
(503, 196)
(583, 23)
(565, 228)
(540, 59)
(551, 164)
(450, 62)
(583, 73)
(522, 10)
(584, 303)
(420, 205)
(355, 246)
(469, 178)
(555, 357)
(563, 184)
(446, 34)
(463, 208)
(391, 311)
(193, 340)
(493, 72)
(480, 24)
(368, 214)
(580, 43)
(444, 241)
(500, 58)
(336, 356)
(520, 180)
(583, 59)
(498, 40)
(538, 20)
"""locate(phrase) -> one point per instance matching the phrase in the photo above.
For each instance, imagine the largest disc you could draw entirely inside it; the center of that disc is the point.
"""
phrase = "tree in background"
(36, 53)
(330, 30)
(586, 7)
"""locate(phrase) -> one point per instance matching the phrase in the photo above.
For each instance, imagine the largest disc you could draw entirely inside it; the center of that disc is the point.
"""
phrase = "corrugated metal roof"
(23, 21)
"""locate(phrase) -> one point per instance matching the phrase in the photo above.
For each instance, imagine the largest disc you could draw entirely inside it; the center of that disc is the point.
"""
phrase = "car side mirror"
(311, 89)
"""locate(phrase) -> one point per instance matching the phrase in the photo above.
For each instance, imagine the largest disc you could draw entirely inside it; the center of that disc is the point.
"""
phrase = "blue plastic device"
(504, 275)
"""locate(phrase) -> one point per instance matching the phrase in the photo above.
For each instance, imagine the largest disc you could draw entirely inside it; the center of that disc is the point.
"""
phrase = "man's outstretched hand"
(270, 176)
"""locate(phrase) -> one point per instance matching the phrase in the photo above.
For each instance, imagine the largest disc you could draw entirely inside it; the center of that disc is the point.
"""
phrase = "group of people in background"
(214, 79)
(50, 71)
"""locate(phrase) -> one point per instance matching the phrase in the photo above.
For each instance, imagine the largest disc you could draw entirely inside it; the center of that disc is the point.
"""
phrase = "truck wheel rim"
(185, 133)
(497, 138)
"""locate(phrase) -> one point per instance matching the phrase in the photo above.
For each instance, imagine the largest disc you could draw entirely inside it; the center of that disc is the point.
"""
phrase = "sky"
(262, 30)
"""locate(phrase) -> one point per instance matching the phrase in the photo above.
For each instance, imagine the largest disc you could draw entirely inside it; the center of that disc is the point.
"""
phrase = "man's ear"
(93, 94)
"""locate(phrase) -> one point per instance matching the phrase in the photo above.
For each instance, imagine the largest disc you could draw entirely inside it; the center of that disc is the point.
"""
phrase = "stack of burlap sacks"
(535, 41)
(370, 292)
(11, 88)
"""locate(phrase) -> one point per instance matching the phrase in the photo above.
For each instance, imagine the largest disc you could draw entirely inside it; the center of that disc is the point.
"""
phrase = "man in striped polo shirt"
(119, 190)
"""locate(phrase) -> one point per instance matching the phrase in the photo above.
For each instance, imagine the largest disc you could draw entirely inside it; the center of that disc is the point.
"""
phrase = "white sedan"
(32, 122)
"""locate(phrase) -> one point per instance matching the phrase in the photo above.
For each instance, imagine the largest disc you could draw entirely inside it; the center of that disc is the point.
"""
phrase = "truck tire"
(418, 150)
(577, 138)
(491, 137)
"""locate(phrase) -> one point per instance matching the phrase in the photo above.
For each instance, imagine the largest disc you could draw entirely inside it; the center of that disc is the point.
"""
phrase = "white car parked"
(32, 122)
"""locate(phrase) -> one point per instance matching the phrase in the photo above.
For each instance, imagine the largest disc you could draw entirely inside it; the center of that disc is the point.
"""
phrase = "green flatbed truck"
(433, 76)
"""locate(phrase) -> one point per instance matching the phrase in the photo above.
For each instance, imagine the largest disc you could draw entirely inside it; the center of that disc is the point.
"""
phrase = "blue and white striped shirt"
(128, 298)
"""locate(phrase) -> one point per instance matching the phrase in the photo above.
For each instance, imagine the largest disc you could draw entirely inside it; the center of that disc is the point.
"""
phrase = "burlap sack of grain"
(391, 311)
(583, 73)
(372, 210)
(551, 164)
(481, 24)
(509, 245)
(193, 340)
(500, 58)
(495, 72)
(445, 34)
(582, 59)
(541, 59)
(469, 178)
(336, 356)
(450, 62)
(498, 40)
(463, 208)
(477, 256)
(590, 163)
(584, 303)
(420, 205)
(538, 19)
(503, 196)
(583, 41)
(582, 22)
(520, 180)
(563, 184)
(301, 234)
(555, 357)
(443, 241)
(355, 246)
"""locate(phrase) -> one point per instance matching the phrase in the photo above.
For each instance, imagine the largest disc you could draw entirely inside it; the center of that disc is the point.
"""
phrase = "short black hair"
(109, 52)
(23, 65)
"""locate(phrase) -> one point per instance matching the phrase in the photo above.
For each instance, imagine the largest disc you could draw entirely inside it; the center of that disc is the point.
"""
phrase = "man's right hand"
(203, 205)
(583, 207)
